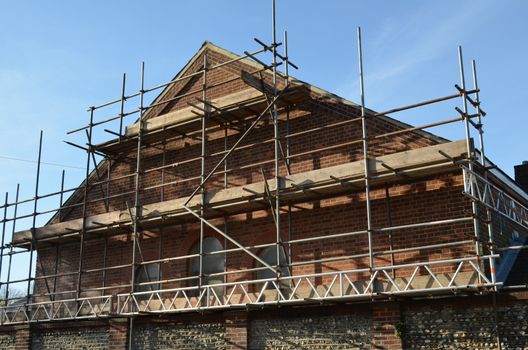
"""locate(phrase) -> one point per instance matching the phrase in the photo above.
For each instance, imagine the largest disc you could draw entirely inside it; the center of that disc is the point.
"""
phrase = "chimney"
(521, 175)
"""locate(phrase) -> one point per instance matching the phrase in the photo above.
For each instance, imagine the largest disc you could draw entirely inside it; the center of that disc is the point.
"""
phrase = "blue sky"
(59, 57)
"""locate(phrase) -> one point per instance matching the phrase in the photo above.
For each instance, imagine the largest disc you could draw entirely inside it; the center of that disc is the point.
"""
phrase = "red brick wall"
(236, 324)
(314, 112)
(434, 198)
(385, 318)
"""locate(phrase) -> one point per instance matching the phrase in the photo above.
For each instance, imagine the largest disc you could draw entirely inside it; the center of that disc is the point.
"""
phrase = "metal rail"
(356, 284)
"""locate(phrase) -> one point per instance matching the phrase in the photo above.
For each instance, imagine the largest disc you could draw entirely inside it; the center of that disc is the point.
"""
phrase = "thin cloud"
(427, 36)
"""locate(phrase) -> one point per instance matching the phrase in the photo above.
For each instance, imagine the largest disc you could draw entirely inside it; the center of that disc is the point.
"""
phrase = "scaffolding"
(277, 92)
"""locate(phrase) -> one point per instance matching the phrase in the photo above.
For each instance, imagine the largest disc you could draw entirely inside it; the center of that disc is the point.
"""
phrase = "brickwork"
(438, 198)
(385, 321)
(23, 338)
(380, 325)
(236, 324)
(118, 334)
(317, 111)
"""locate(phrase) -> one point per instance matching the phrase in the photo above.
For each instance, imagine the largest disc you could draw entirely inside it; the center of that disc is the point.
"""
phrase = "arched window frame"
(269, 255)
(148, 273)
(212, 263)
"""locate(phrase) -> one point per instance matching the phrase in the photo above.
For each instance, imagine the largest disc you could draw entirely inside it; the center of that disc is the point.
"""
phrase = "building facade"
(247, 209)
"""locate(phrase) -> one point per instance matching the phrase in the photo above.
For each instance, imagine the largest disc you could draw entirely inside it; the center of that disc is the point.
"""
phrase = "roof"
(207, 45)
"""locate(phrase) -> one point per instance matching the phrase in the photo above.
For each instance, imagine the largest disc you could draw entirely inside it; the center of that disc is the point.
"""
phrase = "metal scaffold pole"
(288, 152)
(276, 136)
(34, 219)
(122, 106)
(85, 201)
(489, 223)
(364, 137)
(137, 199)
(4, 222)
(489, 218)
(202, 171)
(61, 198)
(13, 230)
(469, 146)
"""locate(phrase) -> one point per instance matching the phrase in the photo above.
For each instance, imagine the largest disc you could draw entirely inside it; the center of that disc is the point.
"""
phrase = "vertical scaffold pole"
(137, 198)
(286, 65)
(4, 221)
(122, 106)
(226, 135)
(13, 230)
(61, 198)
(202, 171)
(57, 248)
(286, 81)
(225, 216)
(160, 254)
(55, 273)
(484, 166)
(163, 163)
(85, 202)
(276, 136)
(365, 149)
(489, 224)
(469, 150)
(34, 223)
(288, 151)
(108, 181)
(105, 254)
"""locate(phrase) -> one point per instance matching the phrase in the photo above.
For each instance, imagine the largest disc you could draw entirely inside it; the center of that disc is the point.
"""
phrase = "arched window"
(148, 273)
(269, 256)
(211, 263)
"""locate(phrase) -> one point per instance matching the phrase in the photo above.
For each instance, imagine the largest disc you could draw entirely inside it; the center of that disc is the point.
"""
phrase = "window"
(269, 256)
(211, 263)
(148, 273)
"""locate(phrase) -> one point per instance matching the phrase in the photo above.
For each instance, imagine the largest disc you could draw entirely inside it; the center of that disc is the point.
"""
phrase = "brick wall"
(236, 326)
(386, 318)
(316, 111)
(436, 198)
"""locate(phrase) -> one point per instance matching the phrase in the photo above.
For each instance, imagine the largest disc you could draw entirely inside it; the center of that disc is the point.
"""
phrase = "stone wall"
(188, 336)
(442, 324)
(328, 332)
(457, 326)
(7, 341)
(70, 339)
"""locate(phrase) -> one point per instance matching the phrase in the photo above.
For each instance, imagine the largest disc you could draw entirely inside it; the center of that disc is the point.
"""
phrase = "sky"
(59, 57)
